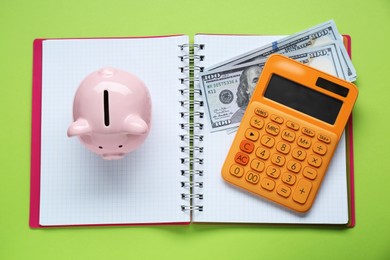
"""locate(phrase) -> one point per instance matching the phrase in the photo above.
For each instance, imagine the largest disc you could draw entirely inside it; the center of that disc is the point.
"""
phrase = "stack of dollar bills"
(228, 85)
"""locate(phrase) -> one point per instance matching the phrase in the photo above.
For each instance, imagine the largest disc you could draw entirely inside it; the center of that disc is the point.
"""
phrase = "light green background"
(367, 22)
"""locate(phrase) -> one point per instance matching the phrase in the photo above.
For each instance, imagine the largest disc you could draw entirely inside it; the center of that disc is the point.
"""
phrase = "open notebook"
(174, 177)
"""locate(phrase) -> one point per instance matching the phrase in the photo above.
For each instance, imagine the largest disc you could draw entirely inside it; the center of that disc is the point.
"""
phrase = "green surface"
(366, 21)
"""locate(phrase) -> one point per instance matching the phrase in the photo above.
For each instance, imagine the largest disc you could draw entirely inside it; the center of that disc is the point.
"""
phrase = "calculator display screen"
(303, 99)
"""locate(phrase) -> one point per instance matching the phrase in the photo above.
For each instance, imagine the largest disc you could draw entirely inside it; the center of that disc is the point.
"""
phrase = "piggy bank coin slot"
(106, 109)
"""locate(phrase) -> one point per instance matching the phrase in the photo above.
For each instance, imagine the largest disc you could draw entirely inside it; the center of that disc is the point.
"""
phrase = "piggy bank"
(111, 113)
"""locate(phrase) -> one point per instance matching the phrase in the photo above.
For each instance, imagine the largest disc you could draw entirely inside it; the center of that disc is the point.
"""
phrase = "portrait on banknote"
(245, 88)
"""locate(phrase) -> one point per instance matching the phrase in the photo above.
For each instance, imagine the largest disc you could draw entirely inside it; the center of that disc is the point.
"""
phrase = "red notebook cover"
(35, 166)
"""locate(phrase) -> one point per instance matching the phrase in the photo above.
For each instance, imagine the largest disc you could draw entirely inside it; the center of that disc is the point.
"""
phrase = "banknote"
(319, 35)
(327, 58)
(227, 91)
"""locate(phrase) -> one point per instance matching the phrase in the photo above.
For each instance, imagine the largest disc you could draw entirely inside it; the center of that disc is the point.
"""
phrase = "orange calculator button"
(257, 122)
(262, 153)
(320, 148)
(236, 170)
(252, 177)
(267, 141)
(251, 134)
(283, 190)
(241, 158)
(304, 141)
(308, 131)
(247, 146)
(261, 112)
(314, 160)
(288, 135)
(323, 138)
(298, 154)
(273, 171)
(289, 178)
(309, 173)
(277, 119)
(257, 165)
(292, 125)
(272, 129)
(302, 191)
(278, 159)
(283, 147)
(268, 184)
(294, 166)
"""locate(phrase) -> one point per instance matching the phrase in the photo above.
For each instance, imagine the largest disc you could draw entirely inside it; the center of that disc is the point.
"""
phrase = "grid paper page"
(223, 202)
(77, 186)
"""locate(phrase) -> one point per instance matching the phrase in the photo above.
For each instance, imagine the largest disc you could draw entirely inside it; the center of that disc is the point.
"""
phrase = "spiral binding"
(191, 117)
(194, 148)
(191, 172)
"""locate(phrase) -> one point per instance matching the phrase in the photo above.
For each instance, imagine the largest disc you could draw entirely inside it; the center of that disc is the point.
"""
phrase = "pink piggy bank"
(111, 113)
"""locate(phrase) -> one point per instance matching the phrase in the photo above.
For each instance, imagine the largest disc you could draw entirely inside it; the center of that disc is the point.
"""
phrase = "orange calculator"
(289, 132)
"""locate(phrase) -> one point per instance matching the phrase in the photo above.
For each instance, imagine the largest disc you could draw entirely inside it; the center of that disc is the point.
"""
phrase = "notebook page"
(77, 186)
(223, 202)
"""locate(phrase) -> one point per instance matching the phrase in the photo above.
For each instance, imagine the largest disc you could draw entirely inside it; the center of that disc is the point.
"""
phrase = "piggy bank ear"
(79, 127)
(135, 125)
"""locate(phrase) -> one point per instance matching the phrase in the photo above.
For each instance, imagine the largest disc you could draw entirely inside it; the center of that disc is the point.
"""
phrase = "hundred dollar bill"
(227, 91)
(327, 58)
(318, 35)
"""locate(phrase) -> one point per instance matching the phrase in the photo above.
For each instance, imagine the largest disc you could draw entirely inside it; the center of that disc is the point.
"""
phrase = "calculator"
(289, 132)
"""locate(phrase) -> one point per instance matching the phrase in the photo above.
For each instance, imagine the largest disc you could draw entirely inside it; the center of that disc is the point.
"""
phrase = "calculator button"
(283, 190)
(302, 191)
(320, 148)
(268, 184)
(247, 146)
(236, 170)
(309, 173)
(289, 178)
(277, 119)
(257, 165)
(273, 171)
(314, 160)
(272, 129)
(294, 166)
(262, 153)
(252, 134)
(241, 158)
(278, 159)
(308, 131)
(252, 177)
(304, 141)
(288, 135)
(257, 122)
(298, 154)
(267, 141)
(261, 112)
(283, 147)
(292, 125)
(323, 138)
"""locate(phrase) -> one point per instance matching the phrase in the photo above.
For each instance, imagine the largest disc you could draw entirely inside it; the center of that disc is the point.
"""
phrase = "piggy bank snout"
(113, 156)
(111, 146)
(112, 113)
